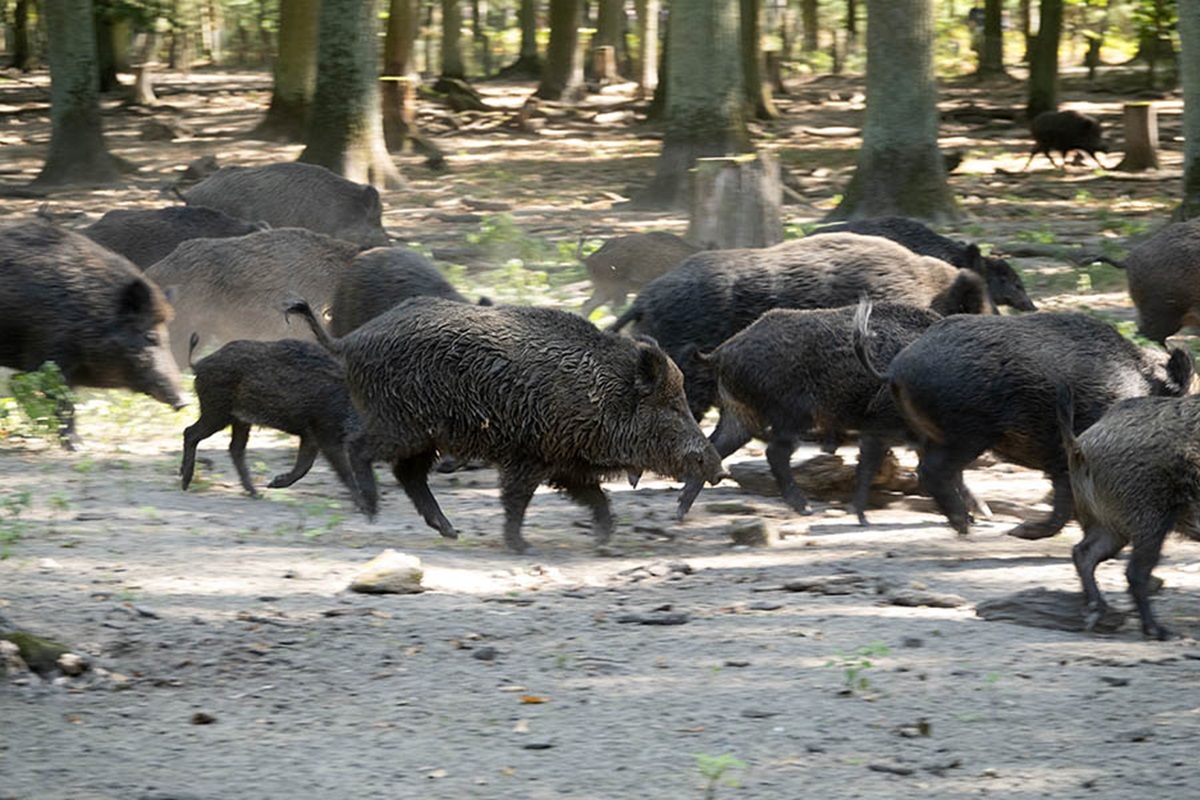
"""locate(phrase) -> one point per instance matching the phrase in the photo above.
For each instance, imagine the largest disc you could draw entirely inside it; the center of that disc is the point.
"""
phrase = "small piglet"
(1136, 477)
(290, 385)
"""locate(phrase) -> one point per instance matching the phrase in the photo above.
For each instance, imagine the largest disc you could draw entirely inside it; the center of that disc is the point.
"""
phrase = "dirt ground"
(229, 660)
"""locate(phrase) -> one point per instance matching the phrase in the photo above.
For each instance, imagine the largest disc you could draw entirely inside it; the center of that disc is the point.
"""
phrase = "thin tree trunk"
(647, 58)
(562, 72)
(528, 64)
(1043, 60)
(479, 34)
(77, 154)
(22, 56)
(851, 25)
(346, 127)
(808, 21)
(452, 60)
(758, 93)
(610, 16)
(991, 58)
(900, 168)
(1189, 69)
(295, 72)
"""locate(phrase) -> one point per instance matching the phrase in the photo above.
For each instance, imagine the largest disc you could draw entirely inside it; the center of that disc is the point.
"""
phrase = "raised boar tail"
(862, 333)
(193, 342)
(302, 308)
(1064, 409)
(632, 314)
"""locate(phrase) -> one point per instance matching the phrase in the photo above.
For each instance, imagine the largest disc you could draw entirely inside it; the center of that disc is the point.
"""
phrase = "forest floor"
(229, 660)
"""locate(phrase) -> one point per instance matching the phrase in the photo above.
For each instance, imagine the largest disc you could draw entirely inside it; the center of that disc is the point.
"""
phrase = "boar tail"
(633, 314)
(1064, 409)
(193, 342)
(862, 319)
(302, 308)
(1092, 259)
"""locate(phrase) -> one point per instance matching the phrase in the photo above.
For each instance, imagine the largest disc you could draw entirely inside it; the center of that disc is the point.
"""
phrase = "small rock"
(731, 507)
(203, 718)
(752, 533)
(759, 713)
(674, 618)
(537, 746)
(1113, 681)
(890, 768)
(912, 641)
(737, 663)
(390, 572)
(765, 606)
(917, 599)
(485, 653)
(72, 664)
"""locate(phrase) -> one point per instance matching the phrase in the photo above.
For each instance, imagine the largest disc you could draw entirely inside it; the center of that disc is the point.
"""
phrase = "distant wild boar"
(713, 295)
(1136, 477)
(971, 384)
(541, 393)
(289, 385)
(295, 195)
(66, 299)
(1065, 131)
(627, 263)
(146, 236)
(1164, 280)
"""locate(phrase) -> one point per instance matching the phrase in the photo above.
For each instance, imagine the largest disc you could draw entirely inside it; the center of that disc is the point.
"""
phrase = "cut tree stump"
(1141, 138)
(604, 64)
(736, 202)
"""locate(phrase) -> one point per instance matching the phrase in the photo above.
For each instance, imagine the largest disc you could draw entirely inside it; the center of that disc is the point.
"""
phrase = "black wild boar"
(1136, 477)
(1004, 284)
(971, 384)
(627, 263)
(147, 236)
(541, 393)
(795, 371)
(714, 294)
(295, 195)
(289, 385)
(226, 289)
(1164, 280)
(1065, 131)
(66, 299)
(380, 278)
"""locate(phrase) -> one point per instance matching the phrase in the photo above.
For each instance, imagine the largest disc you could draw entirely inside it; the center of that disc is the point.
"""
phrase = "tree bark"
(1141, 138)
(758, 93)
(610, 16)
(851, 24)
(295, 72)
(1189, 70)
(398, 95)
(345, 132)
(1024, 13)
(647, 57)
(808, 22)
(479, 34)
(705, 98)
(528, 64)
(77, 154)
(561, 72)
(1043, 61)
(22, 56)
(736, 203)
(991, 58)
(900, 169)
(452, 59)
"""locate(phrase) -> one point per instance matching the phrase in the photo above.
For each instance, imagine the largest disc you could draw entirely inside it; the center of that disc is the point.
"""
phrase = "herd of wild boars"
(880, 329)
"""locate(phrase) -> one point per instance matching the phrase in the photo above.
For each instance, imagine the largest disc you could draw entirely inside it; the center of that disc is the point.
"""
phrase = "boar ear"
(653, 366)
(974, 259)
(371, 198)
(1179, 369)
(136, 299)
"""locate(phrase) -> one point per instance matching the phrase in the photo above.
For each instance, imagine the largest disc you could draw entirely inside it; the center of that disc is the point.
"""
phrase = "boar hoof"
(1093, 616)
(862, 519)
(1153, 630)
(1033, 530)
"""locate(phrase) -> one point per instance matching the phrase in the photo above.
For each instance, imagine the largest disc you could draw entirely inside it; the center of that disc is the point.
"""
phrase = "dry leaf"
(534, 699)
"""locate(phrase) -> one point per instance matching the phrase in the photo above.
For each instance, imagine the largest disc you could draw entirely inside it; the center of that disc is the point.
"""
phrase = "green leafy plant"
(12, 527)
(713, 768)
(854, 665)
(40, 396)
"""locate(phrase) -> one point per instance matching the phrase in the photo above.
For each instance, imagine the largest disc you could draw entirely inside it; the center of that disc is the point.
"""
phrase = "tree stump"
(604, 64)
(143, 86)
(1141, 138)
(736, 202)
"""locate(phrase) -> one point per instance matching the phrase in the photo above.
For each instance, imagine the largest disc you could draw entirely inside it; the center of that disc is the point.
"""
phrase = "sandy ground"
(228, 659)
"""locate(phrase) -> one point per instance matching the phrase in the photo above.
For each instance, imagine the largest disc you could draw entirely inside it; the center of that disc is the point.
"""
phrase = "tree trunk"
(705, 98)
(77, 155)
(22, 56)
(900, 169)
(610, 18)
(647, 57)
(562, 72)
(808, 22)
(106, 59)
(452, 59)
(345, 131)
(991, 57)
(851, 24)
(295, 72)
(758, 94)
(398, 95)
(1043, 61)
(1189, 70)
(736, 203)
(527, 65)
(479, 34)
(1141, 138)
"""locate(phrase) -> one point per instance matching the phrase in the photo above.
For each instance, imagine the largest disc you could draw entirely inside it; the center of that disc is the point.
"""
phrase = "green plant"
(12, 527)
(42, 396)
(855, 664)
(713, 768)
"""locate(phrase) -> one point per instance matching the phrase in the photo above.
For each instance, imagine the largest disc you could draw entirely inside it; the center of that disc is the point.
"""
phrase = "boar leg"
(1147, 547)
(940, 474)
(516, 490)
(591, 496)
(412, 474)
(728, 437)
(237, 451)
(1063, 506)
(304, 461)
(871, 452)
(779, 458)
(352, 475)
(1098, 544)
(201, 429)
